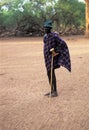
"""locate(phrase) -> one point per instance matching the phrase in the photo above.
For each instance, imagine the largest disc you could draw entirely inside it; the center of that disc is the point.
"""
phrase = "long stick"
(51, 83)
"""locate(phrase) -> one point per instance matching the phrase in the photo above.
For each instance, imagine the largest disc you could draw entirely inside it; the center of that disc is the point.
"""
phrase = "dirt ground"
(23, 83)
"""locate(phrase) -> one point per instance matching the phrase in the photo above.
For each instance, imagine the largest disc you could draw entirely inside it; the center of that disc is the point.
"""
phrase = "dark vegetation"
(21, 18)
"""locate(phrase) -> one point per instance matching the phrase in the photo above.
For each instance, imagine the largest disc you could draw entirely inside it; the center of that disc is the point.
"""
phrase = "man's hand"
(53, 52)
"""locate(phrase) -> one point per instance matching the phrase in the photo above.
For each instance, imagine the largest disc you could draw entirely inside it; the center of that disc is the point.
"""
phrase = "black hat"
(48, 23)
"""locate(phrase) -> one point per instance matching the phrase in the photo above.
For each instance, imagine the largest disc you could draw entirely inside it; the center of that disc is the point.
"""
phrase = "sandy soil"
(23, 83)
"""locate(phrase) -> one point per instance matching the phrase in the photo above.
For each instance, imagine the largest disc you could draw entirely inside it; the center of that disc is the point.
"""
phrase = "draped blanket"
(52, 40)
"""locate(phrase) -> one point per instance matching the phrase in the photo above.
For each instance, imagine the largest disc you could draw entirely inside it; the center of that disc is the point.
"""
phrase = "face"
(47, 30)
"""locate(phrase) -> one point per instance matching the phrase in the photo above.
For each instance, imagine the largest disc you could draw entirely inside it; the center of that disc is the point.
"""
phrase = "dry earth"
(23, 83)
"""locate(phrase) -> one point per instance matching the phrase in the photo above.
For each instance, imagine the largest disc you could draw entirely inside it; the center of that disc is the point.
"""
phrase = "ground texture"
(23, 83)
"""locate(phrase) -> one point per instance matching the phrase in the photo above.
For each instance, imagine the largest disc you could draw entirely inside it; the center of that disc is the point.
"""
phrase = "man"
(56, 47)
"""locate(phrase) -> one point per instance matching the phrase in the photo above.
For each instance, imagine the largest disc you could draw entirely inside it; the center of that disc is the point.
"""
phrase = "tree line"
(26, 17)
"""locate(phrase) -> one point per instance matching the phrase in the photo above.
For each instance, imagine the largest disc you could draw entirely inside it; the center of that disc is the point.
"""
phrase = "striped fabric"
(52, 40)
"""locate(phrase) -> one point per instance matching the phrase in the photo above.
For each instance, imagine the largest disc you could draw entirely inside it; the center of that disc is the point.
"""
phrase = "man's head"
(48, 26)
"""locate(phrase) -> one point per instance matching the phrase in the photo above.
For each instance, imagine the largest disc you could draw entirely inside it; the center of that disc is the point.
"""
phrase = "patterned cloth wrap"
(52, 40)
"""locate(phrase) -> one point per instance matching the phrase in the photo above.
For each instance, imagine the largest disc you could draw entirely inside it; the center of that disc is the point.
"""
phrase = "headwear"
(48, 23)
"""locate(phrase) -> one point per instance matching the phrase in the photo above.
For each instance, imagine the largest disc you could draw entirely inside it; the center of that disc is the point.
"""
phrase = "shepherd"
(56, 48)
